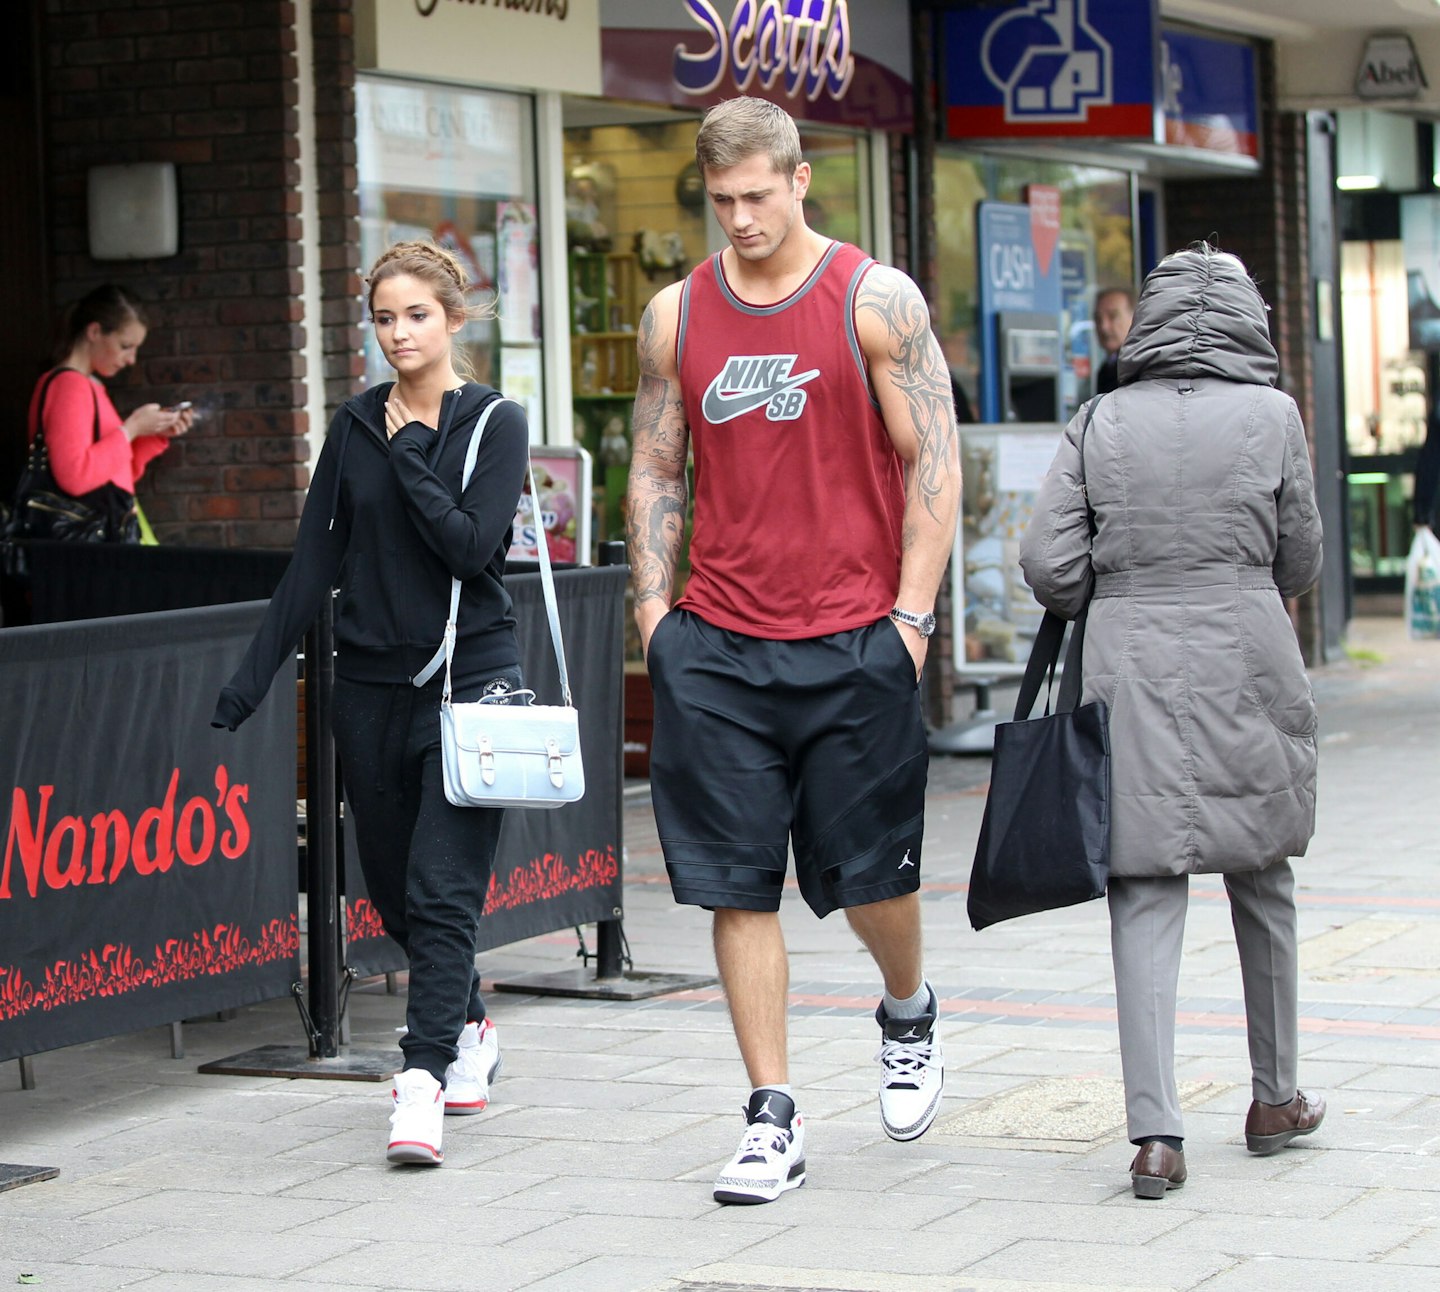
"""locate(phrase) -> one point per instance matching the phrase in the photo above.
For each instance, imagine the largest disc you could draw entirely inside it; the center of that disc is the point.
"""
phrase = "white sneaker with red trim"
(418, 1121)
(467, 1080)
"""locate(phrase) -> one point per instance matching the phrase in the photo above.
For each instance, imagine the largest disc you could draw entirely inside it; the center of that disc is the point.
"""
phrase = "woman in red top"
(90, 446)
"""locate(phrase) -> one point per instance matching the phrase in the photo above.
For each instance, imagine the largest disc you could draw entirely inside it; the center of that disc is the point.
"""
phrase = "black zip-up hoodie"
(386, 522)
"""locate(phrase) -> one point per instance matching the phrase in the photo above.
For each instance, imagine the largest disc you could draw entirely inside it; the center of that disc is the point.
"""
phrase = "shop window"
(1386, 313)
(838, 204)
(458, 167)
(1002, 469)
(1096, 246)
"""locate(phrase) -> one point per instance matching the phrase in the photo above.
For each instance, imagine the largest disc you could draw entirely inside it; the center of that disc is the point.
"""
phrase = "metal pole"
(322, 880)
(608, 935)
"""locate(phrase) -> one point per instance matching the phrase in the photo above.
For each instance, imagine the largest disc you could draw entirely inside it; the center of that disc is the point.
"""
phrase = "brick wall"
(340, 268)
(211, 86)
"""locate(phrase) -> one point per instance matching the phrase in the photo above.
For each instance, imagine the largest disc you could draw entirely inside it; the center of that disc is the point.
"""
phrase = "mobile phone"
(180, 407)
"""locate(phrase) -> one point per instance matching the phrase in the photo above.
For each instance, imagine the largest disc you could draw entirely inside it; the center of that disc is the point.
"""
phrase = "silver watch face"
(922, 624)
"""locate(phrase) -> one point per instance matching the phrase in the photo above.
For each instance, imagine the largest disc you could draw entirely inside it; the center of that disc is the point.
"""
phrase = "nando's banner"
(559, 868)
(148, 872)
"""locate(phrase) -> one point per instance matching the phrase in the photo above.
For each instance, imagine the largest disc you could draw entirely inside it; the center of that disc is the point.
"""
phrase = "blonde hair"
(738, 129)
(442, 272)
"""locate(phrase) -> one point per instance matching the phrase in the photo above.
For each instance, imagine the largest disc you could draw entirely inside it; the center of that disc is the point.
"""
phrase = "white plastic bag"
(1422, 585)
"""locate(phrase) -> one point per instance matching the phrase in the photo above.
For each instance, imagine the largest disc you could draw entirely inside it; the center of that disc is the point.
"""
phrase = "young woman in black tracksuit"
(386, 522)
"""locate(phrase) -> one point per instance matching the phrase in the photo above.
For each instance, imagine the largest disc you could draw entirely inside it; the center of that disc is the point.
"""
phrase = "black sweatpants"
(427, 863)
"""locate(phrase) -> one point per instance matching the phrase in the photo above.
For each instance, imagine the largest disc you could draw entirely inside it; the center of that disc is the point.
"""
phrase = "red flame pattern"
(535, 881)
(115, 970)
(362, 920)
(550, 876)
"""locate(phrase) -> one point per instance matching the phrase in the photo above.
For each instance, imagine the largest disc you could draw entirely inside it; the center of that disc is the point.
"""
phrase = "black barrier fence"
(99, 706)
(557, 868)
(149, 864)
(70, 581)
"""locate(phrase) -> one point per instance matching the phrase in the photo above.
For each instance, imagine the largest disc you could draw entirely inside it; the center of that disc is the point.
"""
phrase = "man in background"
(1114, 309)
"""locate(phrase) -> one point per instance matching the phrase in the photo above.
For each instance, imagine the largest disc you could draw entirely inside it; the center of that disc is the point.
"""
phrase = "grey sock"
(911, 1006)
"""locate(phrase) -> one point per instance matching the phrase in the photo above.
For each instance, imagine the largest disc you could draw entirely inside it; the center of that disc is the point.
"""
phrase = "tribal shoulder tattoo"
(917, 370)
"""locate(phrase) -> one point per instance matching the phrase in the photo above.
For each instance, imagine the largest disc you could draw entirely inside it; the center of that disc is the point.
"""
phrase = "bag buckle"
(554, 764)
(487, 761)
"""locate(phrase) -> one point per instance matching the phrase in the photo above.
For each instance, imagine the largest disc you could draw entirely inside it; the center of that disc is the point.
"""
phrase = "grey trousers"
(1147, 930)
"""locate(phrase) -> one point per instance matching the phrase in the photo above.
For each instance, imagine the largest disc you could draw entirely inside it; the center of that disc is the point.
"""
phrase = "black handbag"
(42, 510)
(1045, 838)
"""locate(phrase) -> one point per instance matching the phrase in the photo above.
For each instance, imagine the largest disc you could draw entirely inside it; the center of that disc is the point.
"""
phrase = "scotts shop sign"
(837, 62)
(802, 47)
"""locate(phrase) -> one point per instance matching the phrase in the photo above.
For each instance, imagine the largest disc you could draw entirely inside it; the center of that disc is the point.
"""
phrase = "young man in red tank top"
(817, 403)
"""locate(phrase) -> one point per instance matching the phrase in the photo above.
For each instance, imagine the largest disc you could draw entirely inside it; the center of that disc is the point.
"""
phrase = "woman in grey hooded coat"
(1198, 479)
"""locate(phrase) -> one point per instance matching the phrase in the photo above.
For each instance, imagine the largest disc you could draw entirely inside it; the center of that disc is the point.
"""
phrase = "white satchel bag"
(502, 755)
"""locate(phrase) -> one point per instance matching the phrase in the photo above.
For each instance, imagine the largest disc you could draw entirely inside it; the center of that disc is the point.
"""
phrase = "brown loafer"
(1269, 1128)
(1156, 1168)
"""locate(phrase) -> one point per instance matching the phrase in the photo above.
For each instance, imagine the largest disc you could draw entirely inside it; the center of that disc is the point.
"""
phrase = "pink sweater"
(79, 461)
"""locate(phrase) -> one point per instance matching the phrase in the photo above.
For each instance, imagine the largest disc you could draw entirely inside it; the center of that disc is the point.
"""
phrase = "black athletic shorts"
(759, 744)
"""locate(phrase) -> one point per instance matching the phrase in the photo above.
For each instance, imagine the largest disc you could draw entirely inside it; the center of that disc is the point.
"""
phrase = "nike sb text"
(752, 381)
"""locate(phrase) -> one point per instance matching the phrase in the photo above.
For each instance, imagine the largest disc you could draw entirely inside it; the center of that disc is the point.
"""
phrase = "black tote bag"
(1045, 838)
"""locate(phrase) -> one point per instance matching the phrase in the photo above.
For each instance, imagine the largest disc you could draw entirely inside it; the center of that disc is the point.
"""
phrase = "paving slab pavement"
(591, 1170)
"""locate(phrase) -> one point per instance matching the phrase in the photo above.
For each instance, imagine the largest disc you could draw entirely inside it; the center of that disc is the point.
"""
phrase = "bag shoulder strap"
(1045, 653)
(445, 654)
(440, 656)
(50, 376)
(1084, 484)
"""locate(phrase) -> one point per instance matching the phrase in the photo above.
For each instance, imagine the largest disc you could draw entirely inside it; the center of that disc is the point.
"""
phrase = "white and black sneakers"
(418, 1120)
(771, 1156)
(467, 1080)
(912, 1072)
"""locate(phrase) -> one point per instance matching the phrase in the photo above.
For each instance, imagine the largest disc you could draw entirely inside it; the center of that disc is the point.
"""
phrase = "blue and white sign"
(1048, 68)
(1211, 93)
(1014, 277)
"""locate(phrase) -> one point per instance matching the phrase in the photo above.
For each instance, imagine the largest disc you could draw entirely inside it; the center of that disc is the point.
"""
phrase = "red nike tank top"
(799, 494)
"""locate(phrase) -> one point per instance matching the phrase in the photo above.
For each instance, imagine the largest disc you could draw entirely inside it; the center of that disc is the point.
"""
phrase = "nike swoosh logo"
(724, 408)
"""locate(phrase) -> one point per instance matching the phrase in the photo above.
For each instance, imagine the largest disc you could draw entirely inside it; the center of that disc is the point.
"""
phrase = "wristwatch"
(922, 624)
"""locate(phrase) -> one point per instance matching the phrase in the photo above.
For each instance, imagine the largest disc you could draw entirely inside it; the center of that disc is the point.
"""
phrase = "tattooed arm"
(657, 495)
(912, 384)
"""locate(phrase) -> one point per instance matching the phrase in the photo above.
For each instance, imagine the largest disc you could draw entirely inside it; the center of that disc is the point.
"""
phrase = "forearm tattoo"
(917, 370)
(655, 523)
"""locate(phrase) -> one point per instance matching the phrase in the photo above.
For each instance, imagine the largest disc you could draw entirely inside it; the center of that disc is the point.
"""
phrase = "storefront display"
(1391, 323)
(458, 167)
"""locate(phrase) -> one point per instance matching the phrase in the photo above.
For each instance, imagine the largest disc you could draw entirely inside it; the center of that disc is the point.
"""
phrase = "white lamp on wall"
(133, 211)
